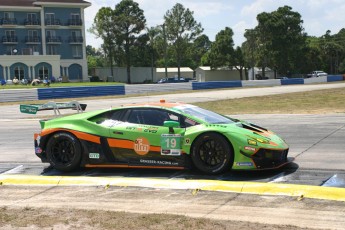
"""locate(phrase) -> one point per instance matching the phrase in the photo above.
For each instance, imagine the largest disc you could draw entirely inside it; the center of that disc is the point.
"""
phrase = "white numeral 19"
(171, 143)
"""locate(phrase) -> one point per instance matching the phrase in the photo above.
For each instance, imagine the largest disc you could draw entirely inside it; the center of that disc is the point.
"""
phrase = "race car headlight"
(255, 140)
(252, 142)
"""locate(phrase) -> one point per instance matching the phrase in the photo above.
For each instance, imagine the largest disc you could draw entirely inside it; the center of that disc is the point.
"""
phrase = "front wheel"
(212, 154)
(64, 151)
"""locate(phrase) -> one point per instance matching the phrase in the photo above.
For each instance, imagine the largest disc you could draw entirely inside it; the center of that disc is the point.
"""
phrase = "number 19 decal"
(171, 144)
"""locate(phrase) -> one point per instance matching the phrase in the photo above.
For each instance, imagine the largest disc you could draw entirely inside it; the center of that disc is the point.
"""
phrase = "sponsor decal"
(38, 150)
(145, 128)
(141, 146)
(187, 141)
(158, 162)
(171, 144)
(250, 148)
(94, 155)
(150, 130)
(244, 164)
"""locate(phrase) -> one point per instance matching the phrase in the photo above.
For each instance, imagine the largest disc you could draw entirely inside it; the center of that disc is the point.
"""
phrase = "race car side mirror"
(171, 125)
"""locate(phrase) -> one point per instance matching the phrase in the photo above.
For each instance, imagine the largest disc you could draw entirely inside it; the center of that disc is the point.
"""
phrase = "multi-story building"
(42, 38)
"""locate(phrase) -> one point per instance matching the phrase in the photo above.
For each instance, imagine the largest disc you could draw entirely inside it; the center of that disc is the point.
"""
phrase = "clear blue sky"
(214, 15)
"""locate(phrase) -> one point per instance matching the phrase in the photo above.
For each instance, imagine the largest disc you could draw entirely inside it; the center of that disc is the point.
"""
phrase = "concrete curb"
(300, 191)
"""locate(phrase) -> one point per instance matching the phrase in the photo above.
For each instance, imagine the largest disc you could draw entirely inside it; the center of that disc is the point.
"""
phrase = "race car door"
(152, 137)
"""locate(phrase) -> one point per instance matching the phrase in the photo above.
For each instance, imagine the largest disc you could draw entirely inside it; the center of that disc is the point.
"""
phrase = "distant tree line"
(277, 42)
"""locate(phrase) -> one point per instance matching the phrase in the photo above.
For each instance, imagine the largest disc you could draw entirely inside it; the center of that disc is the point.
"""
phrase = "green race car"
(158, 135)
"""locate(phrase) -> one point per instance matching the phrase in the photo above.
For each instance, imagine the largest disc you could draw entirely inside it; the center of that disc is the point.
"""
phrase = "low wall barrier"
(216, 84)
(293, 81)
(253, 83)
(144, 89)
(93, 91)
(75, 92)
(332, 78)
(12, 95)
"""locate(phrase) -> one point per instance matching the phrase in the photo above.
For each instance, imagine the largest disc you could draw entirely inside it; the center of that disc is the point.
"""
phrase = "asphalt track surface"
(316, 142)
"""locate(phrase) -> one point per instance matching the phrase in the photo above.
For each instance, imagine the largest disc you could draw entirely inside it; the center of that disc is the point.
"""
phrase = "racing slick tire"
(63, 151)
(212, 153)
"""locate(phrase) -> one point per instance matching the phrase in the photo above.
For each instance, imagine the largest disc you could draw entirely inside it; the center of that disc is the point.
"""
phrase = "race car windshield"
(206, 115)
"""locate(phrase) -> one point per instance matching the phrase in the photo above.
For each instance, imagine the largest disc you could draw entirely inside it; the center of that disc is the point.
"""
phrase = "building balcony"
(9, 39)
(28, 22)
(74, 22)
(75, 40)
(53, 40)
(8, 21)
(32, 40)
(52, 22)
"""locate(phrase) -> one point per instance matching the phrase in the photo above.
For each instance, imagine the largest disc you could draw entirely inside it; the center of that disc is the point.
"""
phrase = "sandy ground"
(87, 207)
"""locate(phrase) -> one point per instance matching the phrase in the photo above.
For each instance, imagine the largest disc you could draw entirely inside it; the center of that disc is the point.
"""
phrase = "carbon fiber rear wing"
(34, 108)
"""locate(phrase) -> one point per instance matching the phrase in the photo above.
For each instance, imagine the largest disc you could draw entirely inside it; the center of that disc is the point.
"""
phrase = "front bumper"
(269, 158)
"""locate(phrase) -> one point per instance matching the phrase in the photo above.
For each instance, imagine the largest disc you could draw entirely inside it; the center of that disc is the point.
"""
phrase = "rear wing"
(34, 108)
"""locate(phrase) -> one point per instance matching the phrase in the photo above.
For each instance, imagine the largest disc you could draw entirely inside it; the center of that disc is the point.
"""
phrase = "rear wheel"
(64, 151)
(212, 154)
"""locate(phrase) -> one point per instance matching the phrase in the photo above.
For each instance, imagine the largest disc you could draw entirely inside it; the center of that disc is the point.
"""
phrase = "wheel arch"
(47, 137)
(222, 134)
(61, 158)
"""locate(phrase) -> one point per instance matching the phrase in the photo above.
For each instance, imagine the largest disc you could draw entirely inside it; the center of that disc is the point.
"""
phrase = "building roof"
(174, 70)
(208, 68)
(39, 2)
(205, 67)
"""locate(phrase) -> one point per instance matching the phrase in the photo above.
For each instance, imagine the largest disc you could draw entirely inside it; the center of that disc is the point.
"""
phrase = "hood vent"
(253, 128)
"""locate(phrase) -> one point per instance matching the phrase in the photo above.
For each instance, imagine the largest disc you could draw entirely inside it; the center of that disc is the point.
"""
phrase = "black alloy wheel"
(212, 154)
(64, 151)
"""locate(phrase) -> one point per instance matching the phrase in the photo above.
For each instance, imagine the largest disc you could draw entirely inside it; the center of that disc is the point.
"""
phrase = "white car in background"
(318, 73)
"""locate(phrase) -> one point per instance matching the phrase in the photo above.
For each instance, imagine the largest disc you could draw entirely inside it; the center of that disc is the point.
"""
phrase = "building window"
(10, 36)
(51, 37)
(75, 34)
(52, 50)
(9, 19)
(75, 20)
(19, 72)
(10, 50)
(50, 19)
(32, 19)
(33, 36)
(33, 33)
(43, 72)
(8, 15)
(50, 33)
(10, 33)
(77, 51)
(34, 48)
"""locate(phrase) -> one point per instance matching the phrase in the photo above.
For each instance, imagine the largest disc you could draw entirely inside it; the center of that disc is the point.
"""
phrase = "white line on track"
(15, 170)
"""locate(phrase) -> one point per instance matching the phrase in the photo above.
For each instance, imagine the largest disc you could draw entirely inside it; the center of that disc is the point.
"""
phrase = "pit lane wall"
(146, 89)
